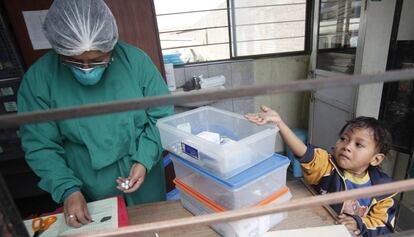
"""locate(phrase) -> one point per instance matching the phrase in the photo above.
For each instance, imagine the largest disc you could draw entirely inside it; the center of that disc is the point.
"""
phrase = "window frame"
(307, 42)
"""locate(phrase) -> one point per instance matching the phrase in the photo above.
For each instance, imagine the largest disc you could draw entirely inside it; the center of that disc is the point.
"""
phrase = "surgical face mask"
(88, 76)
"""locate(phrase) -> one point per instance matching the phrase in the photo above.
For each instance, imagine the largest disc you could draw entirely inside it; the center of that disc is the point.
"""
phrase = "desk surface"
(160, 211)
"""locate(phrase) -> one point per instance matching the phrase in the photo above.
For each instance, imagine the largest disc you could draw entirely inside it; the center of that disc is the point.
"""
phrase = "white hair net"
(75, 26)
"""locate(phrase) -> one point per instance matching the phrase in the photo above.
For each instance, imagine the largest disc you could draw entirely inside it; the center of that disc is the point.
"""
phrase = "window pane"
(177, 6)
(192, 20)
(196, 30)
(338, 35)
(270, 46)
(266, 27)
(194, 38)
(339, 23)
(250, 3)
(269, 14)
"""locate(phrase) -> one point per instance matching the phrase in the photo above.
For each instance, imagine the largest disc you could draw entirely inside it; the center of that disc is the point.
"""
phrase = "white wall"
(406, 27)
(237, 73)
(376, 40)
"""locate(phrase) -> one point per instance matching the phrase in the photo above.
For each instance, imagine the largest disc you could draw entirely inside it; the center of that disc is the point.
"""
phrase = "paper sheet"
(322, 231)
(98, 210)
(34, 21)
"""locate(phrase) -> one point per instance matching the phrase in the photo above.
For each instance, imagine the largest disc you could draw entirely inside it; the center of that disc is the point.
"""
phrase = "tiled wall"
(237, 73)
(293, 107)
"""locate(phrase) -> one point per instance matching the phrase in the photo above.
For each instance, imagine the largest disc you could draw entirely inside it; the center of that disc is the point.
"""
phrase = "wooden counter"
(160, 211)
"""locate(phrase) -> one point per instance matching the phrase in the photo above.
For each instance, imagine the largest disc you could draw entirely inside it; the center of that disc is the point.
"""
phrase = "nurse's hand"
(136, 178)
(76, 211)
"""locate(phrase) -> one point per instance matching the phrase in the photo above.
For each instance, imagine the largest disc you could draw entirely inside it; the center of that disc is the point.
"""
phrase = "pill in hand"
(125, 184)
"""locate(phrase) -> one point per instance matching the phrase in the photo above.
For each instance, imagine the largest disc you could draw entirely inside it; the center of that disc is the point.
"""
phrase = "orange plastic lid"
(217, 208)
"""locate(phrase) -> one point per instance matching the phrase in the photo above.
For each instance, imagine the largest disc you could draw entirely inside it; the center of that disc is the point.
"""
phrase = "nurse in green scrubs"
(81, 159)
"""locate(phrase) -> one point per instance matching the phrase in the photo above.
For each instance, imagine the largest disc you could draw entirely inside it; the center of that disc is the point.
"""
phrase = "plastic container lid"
(217, 208)
(270, 164)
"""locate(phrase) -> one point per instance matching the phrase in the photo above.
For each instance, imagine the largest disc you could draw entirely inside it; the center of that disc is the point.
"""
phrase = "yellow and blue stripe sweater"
(321, 171)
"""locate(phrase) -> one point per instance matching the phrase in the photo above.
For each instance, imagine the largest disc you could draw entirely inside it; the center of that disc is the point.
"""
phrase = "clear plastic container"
(252, 227)
(242, 190)
(238, 144)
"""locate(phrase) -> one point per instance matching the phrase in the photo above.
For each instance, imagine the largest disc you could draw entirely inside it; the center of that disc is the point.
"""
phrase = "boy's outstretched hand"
(267, 115)
(349, 222)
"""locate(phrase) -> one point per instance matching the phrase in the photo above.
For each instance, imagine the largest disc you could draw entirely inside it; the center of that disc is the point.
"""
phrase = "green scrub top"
(89, 153)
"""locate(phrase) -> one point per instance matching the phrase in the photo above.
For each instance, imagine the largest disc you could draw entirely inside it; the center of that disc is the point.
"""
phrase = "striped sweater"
(321, 171)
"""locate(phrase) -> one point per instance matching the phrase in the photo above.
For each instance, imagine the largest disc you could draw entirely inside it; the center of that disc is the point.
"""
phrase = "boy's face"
(356, 150)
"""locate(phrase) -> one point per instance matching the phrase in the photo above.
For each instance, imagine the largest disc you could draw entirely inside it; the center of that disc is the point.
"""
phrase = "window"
(338, 35)
(339, 24)
(200, 31)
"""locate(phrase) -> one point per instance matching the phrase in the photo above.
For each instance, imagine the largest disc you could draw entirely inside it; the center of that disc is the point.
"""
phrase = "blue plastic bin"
(245, 189)
(174, 58)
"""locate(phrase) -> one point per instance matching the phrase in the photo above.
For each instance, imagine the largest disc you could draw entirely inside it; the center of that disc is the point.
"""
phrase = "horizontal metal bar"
(225, 9)
(14, 120)
(180, 31)
(240, 41)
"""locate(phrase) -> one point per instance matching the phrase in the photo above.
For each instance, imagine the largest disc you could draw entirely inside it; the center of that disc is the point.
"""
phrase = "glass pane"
(266, 27)
(179, 6)
(186, 21)
(250, 3)
(197, 53)
(171, 40)
(198, 30)
(193, 30)
(270, 46)
(338, 35)
(398, 112)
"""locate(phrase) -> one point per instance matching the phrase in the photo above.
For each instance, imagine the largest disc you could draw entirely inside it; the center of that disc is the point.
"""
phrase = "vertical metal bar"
(308, 26)
(315, 35)
(231, 11)
(313, 63)
(345, 34)
(361, 38)
(359, 55)
(11, 224)
(340, 23)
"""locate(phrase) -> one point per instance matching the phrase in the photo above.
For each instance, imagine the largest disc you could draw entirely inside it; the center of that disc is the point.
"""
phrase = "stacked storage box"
(198, 205)
(220, 142)
(224, 162)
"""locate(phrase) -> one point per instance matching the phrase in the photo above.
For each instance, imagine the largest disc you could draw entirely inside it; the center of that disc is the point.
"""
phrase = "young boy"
(361, 147)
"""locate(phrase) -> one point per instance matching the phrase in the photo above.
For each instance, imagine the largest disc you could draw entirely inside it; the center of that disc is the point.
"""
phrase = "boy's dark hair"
(381, 135)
